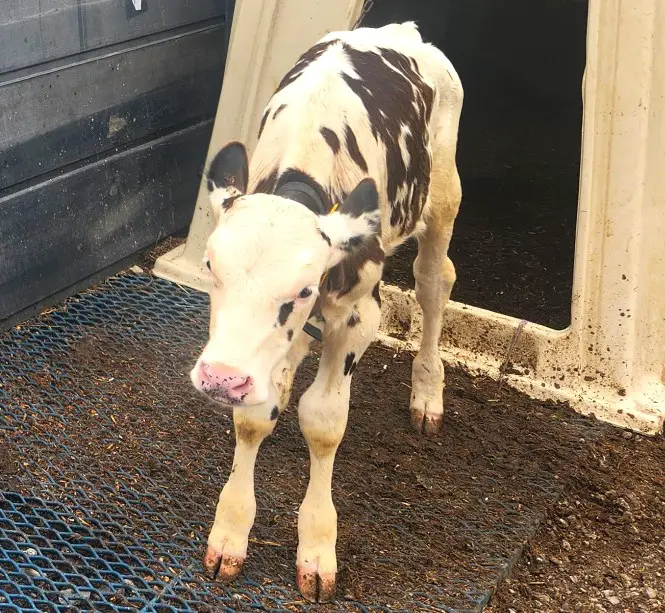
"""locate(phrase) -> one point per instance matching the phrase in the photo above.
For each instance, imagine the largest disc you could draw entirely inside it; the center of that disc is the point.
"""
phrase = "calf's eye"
(208, 265)
(305, 293)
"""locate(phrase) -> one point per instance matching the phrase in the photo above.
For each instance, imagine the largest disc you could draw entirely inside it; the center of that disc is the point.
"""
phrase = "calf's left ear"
(355, 224)
(227, 176)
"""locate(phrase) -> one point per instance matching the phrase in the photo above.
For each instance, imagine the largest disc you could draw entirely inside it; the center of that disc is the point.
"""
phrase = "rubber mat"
(85, 529)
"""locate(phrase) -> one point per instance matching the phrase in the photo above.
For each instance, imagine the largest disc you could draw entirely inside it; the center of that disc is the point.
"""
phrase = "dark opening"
(521, 63)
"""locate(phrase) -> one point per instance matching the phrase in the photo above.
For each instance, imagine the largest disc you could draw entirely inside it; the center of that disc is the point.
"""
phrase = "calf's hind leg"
(435, 276)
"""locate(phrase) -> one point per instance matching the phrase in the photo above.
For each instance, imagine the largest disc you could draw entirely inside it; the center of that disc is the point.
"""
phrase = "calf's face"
(266, 257)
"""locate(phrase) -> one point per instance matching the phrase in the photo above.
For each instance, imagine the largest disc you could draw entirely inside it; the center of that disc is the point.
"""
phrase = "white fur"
(219, 196)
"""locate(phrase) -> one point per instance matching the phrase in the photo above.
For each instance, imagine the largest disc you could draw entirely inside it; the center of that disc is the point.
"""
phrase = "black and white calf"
(356, 153)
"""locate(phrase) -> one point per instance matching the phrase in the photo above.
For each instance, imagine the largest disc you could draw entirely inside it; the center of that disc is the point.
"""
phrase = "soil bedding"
(441, 516)
(602, 547)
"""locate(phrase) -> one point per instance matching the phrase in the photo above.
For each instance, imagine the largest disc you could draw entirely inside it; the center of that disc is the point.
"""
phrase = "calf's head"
(266, 257)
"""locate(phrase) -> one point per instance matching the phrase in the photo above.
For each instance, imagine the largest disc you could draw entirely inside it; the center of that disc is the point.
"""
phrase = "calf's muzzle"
(224, 383)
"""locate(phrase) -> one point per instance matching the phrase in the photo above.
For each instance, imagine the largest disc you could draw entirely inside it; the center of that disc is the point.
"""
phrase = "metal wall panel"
(105, 119)
(93, 104)
(67, 228)
(37, 31)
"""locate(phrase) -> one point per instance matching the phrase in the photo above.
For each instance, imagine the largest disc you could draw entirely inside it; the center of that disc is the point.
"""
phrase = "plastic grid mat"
(113, 538)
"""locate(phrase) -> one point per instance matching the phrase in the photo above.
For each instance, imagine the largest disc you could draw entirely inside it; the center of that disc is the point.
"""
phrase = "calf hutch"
(281, 336)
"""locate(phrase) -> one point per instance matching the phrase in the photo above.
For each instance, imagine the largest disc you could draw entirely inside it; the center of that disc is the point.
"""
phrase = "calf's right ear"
(356, 225)
(227, 177)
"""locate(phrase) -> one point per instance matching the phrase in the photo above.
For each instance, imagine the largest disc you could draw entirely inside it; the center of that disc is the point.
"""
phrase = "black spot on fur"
(263, 121)
(289, 335)
(341, 279)
(228, 203)
(303, 62)
(354, 149)
(331, 138)
(396, 96)
(354, 320)
(280, 108)
(284, 311)
(376, 294)
(349, 363)
(274, 414)
(325, 237)
(266, 185)
(352, 243)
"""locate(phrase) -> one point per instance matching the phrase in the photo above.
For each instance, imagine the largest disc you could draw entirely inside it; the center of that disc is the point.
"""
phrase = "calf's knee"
(252, 429)
(449, 273)
(323, 420)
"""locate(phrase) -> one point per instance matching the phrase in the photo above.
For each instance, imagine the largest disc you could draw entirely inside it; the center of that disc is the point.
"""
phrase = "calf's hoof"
(221, 566)
(425, 421)
(314, 585)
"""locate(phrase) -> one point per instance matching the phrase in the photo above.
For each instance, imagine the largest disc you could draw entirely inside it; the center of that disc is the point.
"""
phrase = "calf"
(356, 153)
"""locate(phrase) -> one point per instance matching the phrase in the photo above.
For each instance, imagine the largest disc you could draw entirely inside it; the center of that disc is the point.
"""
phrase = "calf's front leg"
(236, 509)
(323, 412)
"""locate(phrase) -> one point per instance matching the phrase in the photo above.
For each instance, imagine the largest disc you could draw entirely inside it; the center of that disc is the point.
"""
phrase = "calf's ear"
(355, 225)
(227, 177)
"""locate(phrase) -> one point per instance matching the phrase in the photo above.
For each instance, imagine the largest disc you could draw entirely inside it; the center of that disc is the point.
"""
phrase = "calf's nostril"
(240, 383)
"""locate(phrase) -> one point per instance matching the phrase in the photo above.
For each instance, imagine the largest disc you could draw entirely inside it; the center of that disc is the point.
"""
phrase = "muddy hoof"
(427, 424)
(316, 587)
(221, 567)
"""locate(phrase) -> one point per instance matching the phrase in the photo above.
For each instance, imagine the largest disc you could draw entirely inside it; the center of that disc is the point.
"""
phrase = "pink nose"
(222, 382)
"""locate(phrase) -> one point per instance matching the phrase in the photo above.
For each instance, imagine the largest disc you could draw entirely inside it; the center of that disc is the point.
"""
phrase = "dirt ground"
(602, 547)
(146, 259)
